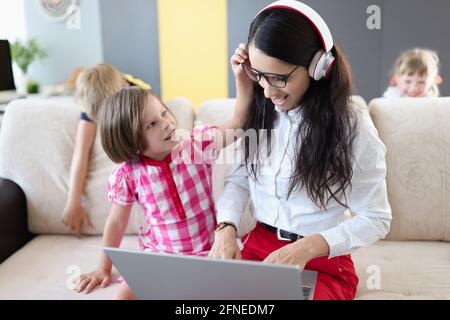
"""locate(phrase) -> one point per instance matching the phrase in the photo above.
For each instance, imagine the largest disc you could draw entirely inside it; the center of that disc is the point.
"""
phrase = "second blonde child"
(93, 86)
(416, 75)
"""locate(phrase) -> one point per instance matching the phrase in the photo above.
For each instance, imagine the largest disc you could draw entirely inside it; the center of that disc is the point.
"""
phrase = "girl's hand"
(76, 218)
(87, 282)
(242, 80)
(225, 245)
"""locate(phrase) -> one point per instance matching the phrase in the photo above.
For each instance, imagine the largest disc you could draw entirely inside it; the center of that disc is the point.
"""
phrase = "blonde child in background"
(93, 86)
(416, 74)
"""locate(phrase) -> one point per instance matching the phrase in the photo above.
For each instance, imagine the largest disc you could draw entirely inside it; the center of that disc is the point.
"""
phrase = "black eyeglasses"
(274, 79)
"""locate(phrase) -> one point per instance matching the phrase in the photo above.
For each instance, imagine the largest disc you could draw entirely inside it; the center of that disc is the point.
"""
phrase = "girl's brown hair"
(120, 124)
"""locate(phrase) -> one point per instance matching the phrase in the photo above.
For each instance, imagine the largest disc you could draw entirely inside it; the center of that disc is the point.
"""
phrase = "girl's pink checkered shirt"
(176, 195)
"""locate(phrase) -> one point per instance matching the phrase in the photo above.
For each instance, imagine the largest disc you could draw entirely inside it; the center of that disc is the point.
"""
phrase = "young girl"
(326, 158)
(416, 74)
(93, 86)
(168, 177)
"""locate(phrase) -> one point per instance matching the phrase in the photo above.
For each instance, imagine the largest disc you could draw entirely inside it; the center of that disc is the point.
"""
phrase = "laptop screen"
(6, 74)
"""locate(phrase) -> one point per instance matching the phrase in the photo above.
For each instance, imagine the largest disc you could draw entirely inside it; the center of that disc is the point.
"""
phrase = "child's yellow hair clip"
(137, 82)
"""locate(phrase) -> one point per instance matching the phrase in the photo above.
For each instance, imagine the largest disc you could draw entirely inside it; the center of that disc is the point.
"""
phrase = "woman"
(325, 158)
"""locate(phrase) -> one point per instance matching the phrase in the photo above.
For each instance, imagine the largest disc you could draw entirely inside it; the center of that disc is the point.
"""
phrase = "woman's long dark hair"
(323, 160)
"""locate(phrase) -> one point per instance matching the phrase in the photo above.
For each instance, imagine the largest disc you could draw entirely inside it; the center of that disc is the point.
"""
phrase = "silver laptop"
(160, 276)
(6, 96)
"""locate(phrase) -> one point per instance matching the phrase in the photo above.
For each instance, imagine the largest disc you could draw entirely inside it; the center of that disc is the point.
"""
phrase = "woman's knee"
(330, 288)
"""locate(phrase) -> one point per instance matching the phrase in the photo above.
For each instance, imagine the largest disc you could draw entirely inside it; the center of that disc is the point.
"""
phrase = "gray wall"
(347, 20)
(125, 33)
(67, 49)
(371, 53)
(240, 16)
(130, 38)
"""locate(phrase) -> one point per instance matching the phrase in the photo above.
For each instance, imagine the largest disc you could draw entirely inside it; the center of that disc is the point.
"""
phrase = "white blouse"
(368, 202)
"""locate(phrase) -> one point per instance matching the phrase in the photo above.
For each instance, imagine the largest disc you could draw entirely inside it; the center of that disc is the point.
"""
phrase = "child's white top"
(394, 92)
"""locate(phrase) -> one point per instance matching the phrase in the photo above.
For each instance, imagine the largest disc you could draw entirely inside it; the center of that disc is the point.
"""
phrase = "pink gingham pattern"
(176, 195)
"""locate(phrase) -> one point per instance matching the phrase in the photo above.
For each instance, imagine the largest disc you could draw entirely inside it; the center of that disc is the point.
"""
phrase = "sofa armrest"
(13, 219)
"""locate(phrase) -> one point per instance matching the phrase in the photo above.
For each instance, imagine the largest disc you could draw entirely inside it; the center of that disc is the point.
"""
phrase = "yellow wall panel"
(193, 49)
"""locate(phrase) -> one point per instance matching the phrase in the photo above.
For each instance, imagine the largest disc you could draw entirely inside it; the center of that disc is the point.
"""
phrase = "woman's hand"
(225, 245)
(300, 251)
(76, 218)
(87, 282)
(244, 84)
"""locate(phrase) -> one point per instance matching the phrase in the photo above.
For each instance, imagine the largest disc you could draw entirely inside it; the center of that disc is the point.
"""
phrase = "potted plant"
(23, 54)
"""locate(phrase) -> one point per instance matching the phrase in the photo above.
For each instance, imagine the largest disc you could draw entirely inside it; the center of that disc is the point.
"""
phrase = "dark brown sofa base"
(14, 232)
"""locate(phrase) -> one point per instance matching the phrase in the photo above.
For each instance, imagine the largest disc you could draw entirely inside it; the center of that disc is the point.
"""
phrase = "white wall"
(67, 49)
(12, 20)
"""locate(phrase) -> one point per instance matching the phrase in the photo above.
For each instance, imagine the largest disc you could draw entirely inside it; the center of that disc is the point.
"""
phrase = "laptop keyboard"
(306, 292)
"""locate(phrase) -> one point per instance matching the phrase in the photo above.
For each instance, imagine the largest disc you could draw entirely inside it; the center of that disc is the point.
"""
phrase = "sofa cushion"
(359, 102)
(417, 136)
(407, 269)
(36, 146)
(183, 110)
(44, 267)
(215, 111)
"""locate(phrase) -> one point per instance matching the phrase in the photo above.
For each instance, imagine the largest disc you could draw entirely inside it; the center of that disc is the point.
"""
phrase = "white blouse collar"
(292, 114)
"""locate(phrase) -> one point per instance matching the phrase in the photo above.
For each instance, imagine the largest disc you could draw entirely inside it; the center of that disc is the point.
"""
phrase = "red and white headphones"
(323, 60)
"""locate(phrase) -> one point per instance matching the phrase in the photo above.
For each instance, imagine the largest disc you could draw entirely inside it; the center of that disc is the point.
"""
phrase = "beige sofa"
(36, 143)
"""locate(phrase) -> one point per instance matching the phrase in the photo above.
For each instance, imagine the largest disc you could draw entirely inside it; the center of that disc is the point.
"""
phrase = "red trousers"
(336, 279)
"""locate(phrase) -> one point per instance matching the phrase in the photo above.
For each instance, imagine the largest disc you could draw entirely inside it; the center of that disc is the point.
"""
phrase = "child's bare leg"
(124, 293)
